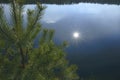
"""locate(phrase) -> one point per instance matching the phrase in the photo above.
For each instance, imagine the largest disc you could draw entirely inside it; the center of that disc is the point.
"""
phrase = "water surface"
(97, 50)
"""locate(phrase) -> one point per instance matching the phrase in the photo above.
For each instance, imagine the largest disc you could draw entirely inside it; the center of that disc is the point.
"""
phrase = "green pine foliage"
(19, 60)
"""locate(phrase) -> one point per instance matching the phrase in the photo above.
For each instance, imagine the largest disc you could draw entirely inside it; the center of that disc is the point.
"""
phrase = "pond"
(93, 33)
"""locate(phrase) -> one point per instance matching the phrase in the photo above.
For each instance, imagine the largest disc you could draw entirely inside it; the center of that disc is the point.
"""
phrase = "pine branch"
(22, 57)
(32, 25)
(14, 12)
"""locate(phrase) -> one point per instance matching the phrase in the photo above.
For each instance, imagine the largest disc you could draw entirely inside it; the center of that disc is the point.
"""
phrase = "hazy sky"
(90, 20)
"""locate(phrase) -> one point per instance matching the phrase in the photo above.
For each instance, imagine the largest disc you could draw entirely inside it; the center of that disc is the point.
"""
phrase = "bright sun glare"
(76, 35)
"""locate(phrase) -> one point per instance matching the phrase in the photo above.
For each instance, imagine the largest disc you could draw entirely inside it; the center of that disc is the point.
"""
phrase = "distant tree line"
(68, 1)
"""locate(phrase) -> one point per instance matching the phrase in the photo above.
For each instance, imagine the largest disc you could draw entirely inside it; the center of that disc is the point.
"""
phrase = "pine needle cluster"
(19, 60)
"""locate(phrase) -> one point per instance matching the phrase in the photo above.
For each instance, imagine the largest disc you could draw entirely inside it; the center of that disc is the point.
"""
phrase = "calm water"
(97, 50)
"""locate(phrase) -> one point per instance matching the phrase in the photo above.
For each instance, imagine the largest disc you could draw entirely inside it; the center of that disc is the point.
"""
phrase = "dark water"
(97, 50)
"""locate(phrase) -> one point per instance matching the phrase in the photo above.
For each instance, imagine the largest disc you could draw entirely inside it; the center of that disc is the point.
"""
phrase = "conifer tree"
(19, 59)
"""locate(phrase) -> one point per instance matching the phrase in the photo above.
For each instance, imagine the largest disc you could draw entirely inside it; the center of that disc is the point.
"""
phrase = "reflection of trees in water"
(68, 1)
